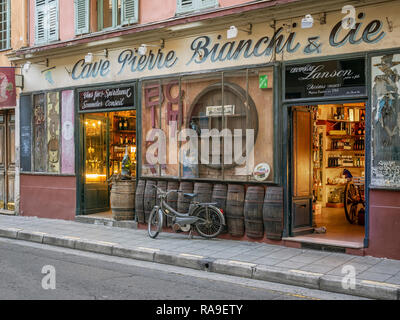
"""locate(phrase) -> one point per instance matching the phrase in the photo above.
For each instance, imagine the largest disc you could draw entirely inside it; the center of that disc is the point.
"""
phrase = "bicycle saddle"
(190, 195)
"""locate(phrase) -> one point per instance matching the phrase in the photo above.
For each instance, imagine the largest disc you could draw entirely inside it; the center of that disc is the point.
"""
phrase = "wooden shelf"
(343, 167)
(338, 136)
(347, 150)
(347, 121)
(124, 131)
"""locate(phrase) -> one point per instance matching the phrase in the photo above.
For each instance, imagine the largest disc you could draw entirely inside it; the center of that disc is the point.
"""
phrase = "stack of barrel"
(253, 213)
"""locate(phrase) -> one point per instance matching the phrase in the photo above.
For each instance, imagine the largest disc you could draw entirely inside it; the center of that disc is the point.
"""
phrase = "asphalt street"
(83, 275)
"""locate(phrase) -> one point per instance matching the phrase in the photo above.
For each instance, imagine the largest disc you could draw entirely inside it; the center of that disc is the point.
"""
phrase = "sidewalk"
(375, 277)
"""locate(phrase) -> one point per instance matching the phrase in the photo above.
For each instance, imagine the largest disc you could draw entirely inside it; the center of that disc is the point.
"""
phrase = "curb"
(363, 288)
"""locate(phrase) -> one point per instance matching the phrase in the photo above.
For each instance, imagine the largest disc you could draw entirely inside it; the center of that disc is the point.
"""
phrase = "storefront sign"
(114, 98)
(7, 87)
(210, 51)
(336, 78)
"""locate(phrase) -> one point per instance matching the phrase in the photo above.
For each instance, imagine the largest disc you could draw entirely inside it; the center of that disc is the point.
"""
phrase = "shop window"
(214, 127)
(385, 121)
(4, 24)
(184, 6)
(46, 21)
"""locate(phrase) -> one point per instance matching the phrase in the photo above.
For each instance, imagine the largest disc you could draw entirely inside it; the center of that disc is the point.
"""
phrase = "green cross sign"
(263, 82)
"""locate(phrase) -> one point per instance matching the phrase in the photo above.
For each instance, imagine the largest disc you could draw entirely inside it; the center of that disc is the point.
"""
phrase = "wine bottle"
(121, 140)
(120, 124)
(125, 124)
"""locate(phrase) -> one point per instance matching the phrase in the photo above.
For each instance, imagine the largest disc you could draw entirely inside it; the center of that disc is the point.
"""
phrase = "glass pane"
(122, 136)
(107, 13)
(152, 99)
(95, 145)
(202, 101)
(11, 145)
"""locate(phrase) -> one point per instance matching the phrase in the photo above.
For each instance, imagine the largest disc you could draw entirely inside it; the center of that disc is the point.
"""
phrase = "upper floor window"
(184, 6)
(110, 14)
(4, 24)
(46, 21)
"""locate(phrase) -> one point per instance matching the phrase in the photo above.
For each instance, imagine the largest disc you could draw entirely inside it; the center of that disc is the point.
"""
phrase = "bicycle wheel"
(210, 224)
(155, 223)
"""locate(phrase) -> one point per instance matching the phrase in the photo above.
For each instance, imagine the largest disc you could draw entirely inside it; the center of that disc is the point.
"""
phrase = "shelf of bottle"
(347, 121)
(347, 150)
(335, 184)
(344, 167)
(338, 136)
(124, 131)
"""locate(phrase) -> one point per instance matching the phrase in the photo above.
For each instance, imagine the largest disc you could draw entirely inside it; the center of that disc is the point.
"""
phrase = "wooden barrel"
(273, 213)
(163, 186)
(183, 202)
(253, 212)
(139, 204)
(234, 210)
(219, 195)
(149, 199)
(203, 191)
(122, 199)
(172, 198)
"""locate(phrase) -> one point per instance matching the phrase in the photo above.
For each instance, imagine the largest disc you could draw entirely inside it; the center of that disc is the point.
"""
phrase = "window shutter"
(81, 16)
(130, 11)
(52, 14)
(40, 21)
(207, 3)
(185, 6)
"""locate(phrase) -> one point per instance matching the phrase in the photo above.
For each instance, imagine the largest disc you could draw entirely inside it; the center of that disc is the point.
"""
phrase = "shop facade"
(260, 99)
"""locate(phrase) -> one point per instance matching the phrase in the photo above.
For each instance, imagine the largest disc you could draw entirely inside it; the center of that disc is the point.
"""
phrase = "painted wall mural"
(386, 121)
(53, 131)
(39, 134)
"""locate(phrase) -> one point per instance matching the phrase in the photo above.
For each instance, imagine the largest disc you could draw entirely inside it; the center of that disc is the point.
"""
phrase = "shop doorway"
(327, 174)
(7, 161)
(106, 138)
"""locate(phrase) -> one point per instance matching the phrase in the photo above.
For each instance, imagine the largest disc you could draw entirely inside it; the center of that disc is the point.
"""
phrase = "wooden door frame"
(95, 115)
(287, 135)
(6, 153)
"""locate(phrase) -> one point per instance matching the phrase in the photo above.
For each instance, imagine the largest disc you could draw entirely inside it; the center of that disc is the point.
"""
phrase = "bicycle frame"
(183, 218)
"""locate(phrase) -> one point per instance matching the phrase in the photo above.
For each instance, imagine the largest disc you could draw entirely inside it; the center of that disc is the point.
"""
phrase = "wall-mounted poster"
(385, 120)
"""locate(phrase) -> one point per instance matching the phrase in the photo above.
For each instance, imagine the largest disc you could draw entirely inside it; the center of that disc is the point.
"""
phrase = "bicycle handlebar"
(165, 193)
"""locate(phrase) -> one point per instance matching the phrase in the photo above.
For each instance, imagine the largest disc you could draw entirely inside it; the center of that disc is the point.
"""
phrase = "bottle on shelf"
(362, 116)
(121, 140)
(126, 139)
(120, 125)
(125, 124)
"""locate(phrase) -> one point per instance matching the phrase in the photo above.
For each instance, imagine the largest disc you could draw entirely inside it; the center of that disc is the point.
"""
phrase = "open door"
(95, 155)
(301, 212)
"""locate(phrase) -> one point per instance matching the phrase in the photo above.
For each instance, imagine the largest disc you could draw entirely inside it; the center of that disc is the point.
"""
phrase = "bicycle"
(207, 219)
(354, 200)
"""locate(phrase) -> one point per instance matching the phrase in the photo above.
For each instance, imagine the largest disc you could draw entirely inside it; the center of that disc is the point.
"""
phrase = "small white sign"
(217, 110)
